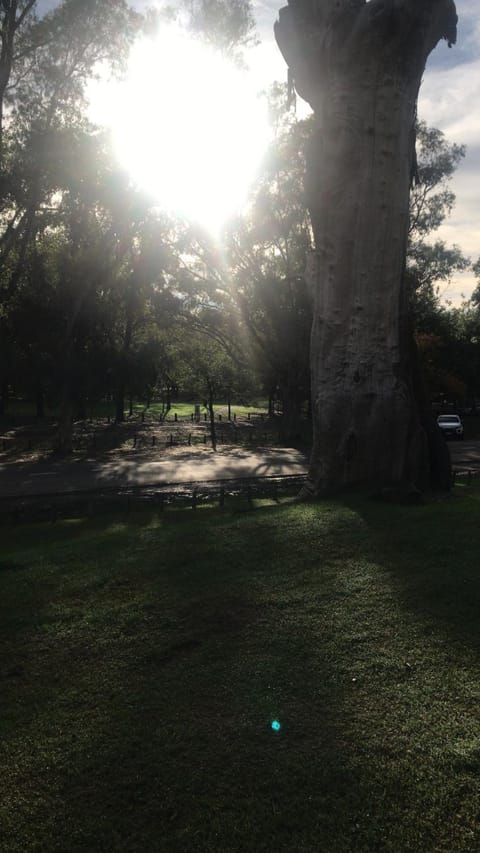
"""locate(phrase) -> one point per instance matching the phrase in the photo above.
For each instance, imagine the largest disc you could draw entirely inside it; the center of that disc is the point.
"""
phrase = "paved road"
(164, 468)
(465, 455)
(170, 467)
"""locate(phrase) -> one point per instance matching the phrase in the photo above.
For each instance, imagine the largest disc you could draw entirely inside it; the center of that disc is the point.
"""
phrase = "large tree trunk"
(63, 442)
(360, 66)
(291, 423)
(4, 393)
(213, 431)
(40, 403)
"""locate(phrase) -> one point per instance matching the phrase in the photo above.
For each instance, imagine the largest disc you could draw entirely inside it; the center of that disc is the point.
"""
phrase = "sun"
(187, 124)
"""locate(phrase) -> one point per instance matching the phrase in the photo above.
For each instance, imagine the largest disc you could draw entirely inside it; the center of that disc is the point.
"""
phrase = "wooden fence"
(241, 493)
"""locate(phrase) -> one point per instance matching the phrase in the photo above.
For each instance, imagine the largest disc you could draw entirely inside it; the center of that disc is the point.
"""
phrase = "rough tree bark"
(360, 64)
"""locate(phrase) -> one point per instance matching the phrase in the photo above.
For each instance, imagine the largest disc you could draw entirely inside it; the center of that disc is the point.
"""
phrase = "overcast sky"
(449, 100)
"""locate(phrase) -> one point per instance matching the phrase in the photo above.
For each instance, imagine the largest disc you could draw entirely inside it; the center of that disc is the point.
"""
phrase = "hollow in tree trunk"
(359, 64)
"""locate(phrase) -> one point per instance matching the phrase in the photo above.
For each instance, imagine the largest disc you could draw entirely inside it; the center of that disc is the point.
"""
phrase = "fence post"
(153, 441)
(134, 440)
(175, 417)
(190, 440)
(171, 439)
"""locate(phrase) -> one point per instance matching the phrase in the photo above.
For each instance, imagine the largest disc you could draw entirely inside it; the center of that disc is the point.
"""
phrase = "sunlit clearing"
(188, 126)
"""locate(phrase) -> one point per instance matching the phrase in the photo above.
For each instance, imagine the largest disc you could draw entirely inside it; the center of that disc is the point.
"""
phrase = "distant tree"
(209, 373)
(268, 248)
(430, 266)
(228, 25)
(44, 67)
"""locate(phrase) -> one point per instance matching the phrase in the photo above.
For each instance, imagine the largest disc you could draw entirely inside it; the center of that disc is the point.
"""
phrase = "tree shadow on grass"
(145, 719)
(432, 552)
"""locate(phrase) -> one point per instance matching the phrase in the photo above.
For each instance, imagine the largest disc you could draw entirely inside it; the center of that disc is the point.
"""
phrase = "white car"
(451, 426)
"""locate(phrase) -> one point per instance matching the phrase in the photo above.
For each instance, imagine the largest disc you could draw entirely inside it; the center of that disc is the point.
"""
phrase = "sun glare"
(188, 126)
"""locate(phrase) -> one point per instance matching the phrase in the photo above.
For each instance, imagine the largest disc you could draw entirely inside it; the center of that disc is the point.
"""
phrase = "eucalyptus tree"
(267, 249)
(227, 25)
(45, 65)
(431, 265)
(360, 67)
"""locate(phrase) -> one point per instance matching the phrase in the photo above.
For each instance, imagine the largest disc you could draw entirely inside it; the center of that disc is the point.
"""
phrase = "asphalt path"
(465, 455)
(22, 479)
(134, 469)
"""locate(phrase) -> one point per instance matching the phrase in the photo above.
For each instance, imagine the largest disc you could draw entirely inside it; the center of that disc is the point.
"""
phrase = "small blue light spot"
(276, 726)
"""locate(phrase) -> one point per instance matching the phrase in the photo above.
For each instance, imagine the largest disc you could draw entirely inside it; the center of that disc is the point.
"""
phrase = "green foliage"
(267, 253)
(228, 25)
(431, 199)
(432, 265)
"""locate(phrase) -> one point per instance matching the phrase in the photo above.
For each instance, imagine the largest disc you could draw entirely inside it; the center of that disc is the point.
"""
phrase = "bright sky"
(188, 126)
(449, 100)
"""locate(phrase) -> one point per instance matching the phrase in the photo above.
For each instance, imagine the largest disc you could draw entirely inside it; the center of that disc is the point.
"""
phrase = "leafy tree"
(46, 64)
(431, 265)
(267, 254)
(228, 25)
(211, 374)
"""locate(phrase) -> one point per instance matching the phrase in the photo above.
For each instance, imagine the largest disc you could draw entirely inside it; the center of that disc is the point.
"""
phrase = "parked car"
(451, 426)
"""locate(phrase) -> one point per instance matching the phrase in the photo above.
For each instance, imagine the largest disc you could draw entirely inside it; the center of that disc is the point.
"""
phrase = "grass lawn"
(25, 409)
(185, 410)
(143, 662)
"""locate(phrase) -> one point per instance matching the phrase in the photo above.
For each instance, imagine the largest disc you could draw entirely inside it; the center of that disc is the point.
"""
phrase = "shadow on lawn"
(152, 692)
(433, 554)
(152, 697)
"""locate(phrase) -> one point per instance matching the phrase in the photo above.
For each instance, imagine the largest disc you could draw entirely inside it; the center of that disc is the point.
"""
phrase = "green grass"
(142, 663)
(25, 409)
(186, 409)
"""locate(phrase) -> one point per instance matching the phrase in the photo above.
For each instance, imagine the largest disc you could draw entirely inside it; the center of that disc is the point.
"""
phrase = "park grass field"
(143, 662)
(25, 410)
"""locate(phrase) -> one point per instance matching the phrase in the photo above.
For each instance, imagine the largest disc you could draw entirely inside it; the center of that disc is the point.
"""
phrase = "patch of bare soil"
(98, 439)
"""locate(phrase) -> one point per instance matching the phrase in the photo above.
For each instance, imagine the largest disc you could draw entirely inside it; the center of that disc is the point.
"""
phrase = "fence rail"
(90, 503)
